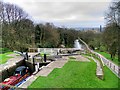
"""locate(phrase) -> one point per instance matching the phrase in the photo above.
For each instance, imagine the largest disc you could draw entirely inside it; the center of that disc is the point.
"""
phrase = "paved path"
(81, 58)
(46, 70)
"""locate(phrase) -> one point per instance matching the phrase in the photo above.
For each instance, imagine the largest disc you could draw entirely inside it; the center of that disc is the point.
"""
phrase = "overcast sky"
(69, 13)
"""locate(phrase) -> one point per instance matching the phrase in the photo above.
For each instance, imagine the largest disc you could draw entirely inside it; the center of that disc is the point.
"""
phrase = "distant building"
(94, 31)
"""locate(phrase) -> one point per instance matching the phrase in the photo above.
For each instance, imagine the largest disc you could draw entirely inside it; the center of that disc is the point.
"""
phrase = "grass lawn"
(75, 74)
(4, 50)
(4, 57)
(107, 55)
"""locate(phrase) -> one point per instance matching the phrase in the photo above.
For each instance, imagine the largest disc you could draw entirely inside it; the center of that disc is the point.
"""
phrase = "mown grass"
(4, 50)
(107, 55)
(4, 57)
(75, 74)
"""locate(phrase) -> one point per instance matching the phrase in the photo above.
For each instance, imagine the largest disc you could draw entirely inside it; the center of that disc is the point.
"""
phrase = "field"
(76, 75)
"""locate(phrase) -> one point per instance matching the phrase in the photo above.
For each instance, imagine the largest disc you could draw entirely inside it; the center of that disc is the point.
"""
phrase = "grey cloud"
(62, 10)
(65, 12)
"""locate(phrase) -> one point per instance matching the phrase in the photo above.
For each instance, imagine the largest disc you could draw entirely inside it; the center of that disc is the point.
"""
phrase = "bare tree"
(112, 29)
(15, 26)
(113, 15)
(10, 12)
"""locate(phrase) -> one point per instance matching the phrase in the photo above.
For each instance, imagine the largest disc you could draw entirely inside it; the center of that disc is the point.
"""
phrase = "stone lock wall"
(5, 73)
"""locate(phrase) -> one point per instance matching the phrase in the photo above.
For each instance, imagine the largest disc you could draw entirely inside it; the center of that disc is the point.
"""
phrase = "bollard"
(36, 68)
(33, 63)
(45, 58)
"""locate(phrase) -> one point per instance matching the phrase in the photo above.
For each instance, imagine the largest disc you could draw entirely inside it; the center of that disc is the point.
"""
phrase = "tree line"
(20, 33)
